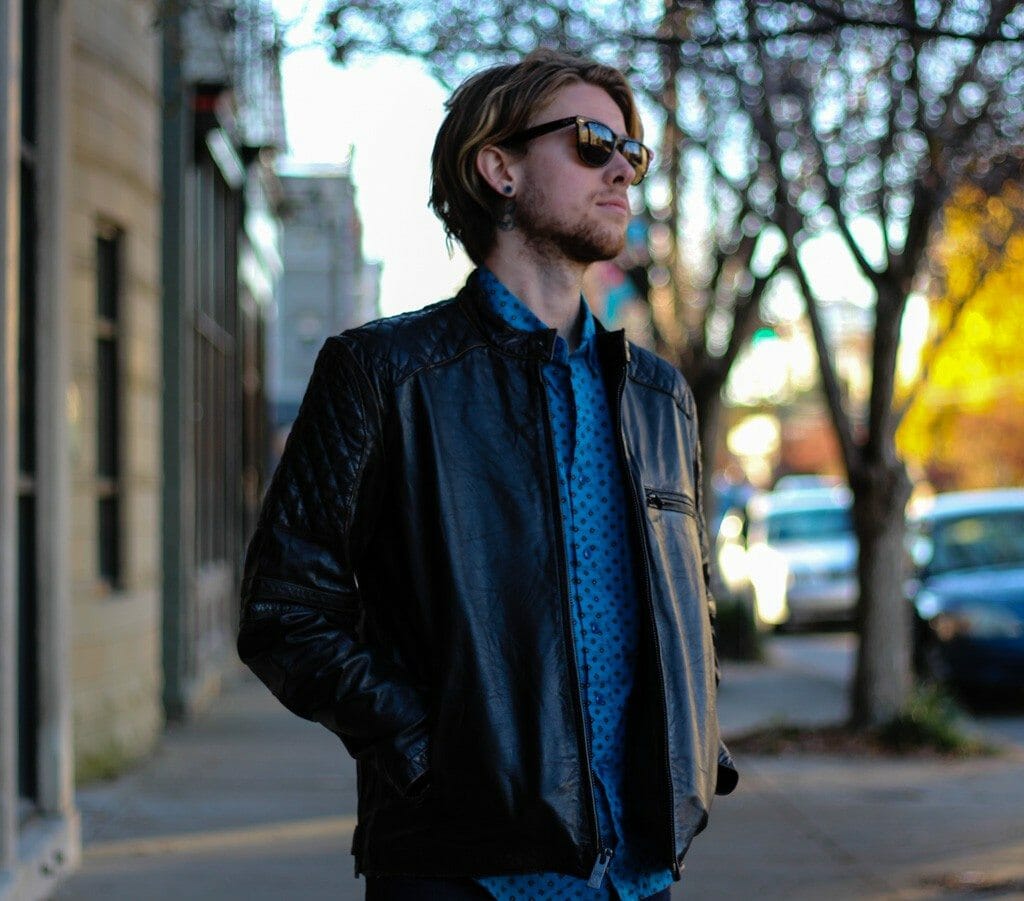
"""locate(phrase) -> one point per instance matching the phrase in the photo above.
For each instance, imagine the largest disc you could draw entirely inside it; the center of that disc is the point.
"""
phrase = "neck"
(551, 289)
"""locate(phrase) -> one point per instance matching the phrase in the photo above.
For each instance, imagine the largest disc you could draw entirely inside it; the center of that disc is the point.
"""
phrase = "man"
(481, 561)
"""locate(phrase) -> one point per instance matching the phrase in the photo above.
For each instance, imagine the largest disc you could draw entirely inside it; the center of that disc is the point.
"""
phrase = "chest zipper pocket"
(670, 500)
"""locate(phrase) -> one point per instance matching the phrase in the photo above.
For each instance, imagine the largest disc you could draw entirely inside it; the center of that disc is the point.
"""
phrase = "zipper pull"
(604, 860)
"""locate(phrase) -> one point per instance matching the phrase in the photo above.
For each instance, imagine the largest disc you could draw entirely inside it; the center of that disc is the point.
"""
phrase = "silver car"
(794, 555)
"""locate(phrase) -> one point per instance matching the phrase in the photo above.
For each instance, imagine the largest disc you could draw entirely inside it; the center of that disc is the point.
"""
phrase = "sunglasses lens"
(638, 157)
(596, 143)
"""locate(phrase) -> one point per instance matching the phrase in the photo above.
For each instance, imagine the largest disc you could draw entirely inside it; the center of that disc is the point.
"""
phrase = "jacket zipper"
(664, 500)
(670, 500)
(604, 855)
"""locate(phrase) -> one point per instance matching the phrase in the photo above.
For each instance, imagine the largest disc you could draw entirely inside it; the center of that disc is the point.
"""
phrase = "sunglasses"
(596, 144)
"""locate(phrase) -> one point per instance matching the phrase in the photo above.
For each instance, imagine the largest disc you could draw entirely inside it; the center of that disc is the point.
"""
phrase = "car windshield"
(809, 525)
(980, 540)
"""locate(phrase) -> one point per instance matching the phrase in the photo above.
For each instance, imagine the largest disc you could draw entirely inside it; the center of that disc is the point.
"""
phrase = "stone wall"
(115, 184)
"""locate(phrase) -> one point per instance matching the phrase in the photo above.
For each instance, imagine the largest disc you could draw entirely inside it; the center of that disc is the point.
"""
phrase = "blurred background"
(196, 194)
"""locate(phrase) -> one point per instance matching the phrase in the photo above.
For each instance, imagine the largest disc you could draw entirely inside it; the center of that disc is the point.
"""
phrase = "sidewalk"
(250, 802)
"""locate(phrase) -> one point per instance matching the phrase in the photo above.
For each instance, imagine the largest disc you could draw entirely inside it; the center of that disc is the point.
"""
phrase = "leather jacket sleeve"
(728, 776)
(301, 606)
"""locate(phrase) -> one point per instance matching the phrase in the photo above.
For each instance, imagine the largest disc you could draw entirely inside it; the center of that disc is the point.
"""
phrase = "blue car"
(968, 590)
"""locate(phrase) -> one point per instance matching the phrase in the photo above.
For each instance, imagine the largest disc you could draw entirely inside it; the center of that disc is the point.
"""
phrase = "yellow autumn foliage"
(966, 425)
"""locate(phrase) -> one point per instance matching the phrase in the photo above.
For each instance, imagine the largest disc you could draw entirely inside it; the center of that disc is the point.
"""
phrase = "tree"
(965, 421)
(808, 118)
(865, 115)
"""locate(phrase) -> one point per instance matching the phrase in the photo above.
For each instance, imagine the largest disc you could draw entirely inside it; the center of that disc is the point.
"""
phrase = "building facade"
(140, 239)
(79, 222)
(222, 123)
(327, 286)
(114, 392)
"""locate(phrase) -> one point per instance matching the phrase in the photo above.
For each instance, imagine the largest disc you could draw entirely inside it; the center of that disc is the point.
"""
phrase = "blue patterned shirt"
(603, 596)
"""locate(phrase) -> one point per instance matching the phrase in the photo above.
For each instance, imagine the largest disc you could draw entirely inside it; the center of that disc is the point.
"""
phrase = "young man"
(481, 562)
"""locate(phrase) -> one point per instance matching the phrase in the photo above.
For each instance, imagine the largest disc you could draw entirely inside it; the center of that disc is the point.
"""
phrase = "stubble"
(550, 238)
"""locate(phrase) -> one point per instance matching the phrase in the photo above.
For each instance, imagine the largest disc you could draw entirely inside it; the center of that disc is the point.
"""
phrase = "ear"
(499, 168)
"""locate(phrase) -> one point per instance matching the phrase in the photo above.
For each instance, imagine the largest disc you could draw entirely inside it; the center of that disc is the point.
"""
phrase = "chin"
(586, 242)
(592, 243)
(594, 251)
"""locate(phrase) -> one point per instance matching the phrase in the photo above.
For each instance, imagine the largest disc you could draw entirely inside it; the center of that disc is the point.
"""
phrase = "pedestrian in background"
(482, 560)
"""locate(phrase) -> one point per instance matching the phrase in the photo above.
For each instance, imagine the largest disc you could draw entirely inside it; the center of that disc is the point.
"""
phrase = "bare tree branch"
(829, 379)
(931, 353)
(834, 200)
(746, 316)
(812, 31)
(908, 27)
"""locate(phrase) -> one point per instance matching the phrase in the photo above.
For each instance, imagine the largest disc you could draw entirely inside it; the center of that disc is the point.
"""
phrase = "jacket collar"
(537, 345)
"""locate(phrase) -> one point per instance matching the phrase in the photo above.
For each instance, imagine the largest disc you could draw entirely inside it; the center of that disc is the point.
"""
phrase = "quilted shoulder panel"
(394, 348)
(339, 421)
(333, 434)
(649, 369)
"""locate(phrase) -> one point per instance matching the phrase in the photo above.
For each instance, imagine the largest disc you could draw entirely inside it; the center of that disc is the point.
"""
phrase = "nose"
(620, 168)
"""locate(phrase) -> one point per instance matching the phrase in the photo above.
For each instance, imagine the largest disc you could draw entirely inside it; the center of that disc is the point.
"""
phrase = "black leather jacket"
(406, 587)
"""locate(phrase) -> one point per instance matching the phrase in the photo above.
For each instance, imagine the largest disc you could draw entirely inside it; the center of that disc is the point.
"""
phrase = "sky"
(382, 113)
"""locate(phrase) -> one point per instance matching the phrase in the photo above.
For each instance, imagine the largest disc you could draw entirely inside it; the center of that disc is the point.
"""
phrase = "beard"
(551, 238)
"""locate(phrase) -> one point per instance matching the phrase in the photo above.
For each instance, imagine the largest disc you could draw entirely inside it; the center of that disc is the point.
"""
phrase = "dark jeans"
(411, 888)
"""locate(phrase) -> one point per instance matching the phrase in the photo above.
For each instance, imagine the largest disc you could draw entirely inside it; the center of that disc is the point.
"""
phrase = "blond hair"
(490, 107)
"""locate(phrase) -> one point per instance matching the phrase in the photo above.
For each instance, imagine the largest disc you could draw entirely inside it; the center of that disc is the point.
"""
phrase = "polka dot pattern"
(603, 597)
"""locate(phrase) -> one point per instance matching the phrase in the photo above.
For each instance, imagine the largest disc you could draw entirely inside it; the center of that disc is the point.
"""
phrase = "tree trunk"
(707, 398)
(883, 679)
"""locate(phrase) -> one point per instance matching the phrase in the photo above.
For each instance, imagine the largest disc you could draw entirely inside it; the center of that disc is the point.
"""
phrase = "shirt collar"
(518, 315)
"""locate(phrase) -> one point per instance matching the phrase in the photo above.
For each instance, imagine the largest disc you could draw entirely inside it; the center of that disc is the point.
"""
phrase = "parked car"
(793, 554)
(968, 590)
(801, 481)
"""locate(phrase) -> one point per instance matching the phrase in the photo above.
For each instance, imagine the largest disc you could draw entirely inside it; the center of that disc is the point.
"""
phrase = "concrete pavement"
(250, 802)
(832, 827)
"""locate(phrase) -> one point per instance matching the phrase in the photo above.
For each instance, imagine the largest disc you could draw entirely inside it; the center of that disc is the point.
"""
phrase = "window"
(979, 539)
(108, 403)
(27, 481)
